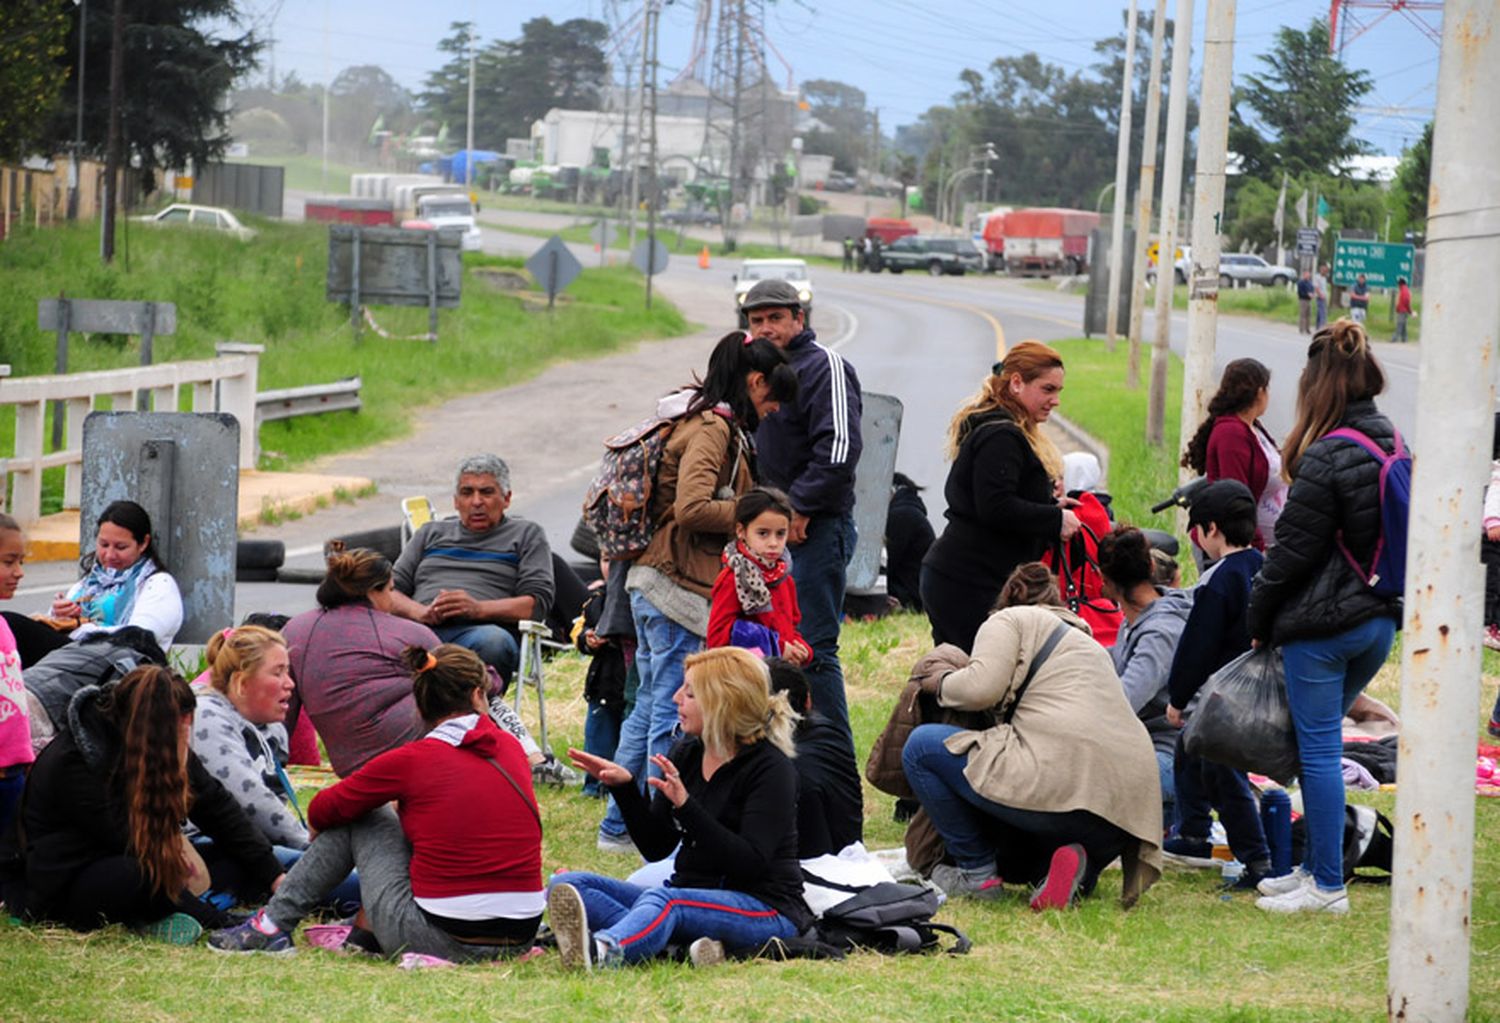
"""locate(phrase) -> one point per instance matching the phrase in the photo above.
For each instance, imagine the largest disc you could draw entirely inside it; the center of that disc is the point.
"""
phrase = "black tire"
(1280, 281)
(935, 268)
(584, 541)
(259, 554)
(255, 575)
(1226, 281)
(385, 541)
(300, 576)
(896, 269)
(1162, 540)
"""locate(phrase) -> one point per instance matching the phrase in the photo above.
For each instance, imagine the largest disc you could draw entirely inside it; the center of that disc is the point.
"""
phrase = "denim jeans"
(819, 564)
(1323, 677)
(494, 644)
(643, 921)
(1203, 786)
(661, 647)
(601, 737)
(971, 825)
(1164, 762)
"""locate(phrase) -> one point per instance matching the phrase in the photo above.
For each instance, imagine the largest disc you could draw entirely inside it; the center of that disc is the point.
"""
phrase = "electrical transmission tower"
(1345, 25)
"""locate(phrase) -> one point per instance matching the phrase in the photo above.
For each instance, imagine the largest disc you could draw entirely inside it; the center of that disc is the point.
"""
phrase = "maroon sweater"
(1235, 454)
(471, 833)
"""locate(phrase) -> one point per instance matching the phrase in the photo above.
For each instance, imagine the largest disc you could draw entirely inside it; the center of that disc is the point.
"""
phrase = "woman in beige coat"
(1062, 783)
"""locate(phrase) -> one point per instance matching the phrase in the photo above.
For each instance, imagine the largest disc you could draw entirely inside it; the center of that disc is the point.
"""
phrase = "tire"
(385, 541)
(896, 269)
(935, 268)
(1226, 281)
(1280, 281)
(584, 541)
(262, 555)
(255, 575)
(300, 576)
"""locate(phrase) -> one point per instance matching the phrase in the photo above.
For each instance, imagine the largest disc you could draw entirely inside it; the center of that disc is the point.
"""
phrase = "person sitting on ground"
(1165, 571)
(1221, 521)
(1082, 474)
(102, 838)
(16, 753)
(455, 871)
(125, 582)
(723, 794)
(471, 579)
(301, 736)
(95, 660)
(349, 672)
(908, 535)
(1061, 784)
(1143, 652)
(830, 796)
(754, 602)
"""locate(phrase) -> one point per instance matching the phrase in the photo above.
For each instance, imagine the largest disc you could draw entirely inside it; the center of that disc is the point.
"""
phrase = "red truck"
(349, 210)
(1047, 240)
(888, 229)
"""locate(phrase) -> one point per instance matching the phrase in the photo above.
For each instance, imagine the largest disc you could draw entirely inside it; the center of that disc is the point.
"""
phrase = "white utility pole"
(1208, 209)
(1171, 202)
(469, 119)
(1432, 884)
(1145, 189)
(640, 133)
(1122, 183)
(327, 86)
(648, 95)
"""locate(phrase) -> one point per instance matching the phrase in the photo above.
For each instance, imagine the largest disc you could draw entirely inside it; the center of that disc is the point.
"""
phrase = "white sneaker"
(570, 926)
(1298, 878)
(616, 844)
(706, 952)
(1309, 899)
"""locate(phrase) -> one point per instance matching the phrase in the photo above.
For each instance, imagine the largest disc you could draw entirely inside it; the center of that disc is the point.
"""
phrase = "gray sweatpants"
(377, 846)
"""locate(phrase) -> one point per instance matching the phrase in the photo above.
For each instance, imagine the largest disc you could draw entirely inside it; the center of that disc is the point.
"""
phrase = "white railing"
(224, 384)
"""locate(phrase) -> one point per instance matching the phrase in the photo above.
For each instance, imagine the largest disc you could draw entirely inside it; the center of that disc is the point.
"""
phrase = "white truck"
(439, 207)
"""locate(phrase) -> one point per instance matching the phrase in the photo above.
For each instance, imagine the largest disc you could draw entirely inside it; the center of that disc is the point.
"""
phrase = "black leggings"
(115, 890)
(956, 609)
(34, 639)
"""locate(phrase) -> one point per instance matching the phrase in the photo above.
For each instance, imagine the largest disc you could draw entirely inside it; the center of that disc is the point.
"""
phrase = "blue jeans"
(661, 647)
(1164, 763)
(1323, 677)
(1202, 786)
(642, 921)
(1322, 313)
(601, 737)
(972, 825)
(819, 565)
(493, 643)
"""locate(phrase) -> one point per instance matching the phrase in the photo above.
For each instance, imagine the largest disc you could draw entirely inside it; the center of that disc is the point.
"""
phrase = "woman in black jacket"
(101, 830)
(727, 795)
(1003, 508)
(1334, 629)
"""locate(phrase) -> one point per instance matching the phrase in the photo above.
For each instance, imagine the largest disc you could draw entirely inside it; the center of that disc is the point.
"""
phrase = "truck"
(988, 232)
(1046, 240)
(438, 207)
(888, 229)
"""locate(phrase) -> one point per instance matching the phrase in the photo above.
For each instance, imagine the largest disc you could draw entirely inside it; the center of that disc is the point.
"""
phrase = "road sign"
(649, 256)
(554, 267)
(1380, 262)
(603, 233)
(1308, 240)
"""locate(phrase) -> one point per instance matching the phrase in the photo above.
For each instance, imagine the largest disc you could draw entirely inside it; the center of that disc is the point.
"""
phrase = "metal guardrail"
(291, 402)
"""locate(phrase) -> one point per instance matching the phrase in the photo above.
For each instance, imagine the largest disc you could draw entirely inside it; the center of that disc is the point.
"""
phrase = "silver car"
(1236, 267)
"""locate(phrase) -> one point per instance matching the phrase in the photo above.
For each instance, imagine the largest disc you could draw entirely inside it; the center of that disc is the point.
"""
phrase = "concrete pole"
(1171, 202)
(1208, 210)
(1122, 183)
(648, 89)
(469, 117)
(327, 85)
(1432, 884)
(1145, 189)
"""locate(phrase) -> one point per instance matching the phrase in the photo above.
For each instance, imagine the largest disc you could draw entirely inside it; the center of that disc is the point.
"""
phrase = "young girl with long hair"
(1233, 444)
(754, 601)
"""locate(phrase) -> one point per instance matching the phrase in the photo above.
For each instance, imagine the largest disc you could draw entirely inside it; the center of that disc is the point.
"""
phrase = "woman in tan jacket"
(1061, 784)
(708, 462)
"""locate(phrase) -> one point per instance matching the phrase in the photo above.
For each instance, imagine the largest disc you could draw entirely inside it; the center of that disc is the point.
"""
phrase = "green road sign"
(1380, 262)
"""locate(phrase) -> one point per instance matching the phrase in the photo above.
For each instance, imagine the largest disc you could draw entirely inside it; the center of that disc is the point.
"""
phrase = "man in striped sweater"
(810, 449)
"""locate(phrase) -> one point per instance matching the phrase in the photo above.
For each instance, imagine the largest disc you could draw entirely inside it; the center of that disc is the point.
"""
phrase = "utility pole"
(1433, 880)
(1171, 202)
(1145, 189)
(327, 87)
(115, 162)
(648, 95)
(77, 182)
(1208, 209)
(469, 119)
(625, 151)
(640, 133)
(1122, 183)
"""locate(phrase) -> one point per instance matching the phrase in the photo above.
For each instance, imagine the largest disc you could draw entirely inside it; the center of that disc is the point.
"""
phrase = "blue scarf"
(107, 595)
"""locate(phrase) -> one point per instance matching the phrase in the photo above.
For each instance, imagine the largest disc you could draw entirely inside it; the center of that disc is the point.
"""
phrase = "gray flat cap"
(766, 294)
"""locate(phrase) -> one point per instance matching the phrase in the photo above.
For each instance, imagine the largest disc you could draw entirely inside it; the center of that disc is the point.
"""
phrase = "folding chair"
(416, 512)
(535, 637)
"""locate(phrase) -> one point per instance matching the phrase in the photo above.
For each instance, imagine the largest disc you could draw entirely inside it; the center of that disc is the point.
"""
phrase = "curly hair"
(1241, 383)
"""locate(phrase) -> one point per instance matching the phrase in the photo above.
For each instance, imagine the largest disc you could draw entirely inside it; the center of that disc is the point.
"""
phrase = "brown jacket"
(705, 455)
(1073, 742)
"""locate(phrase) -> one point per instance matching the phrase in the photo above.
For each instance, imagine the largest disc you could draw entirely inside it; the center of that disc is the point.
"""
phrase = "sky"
(905, 54)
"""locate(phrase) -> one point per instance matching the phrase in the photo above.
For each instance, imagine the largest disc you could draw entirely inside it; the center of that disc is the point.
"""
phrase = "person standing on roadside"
(809, 450)
(1320, 292)
(1403, 310)
(848, 254)
(1359, 299)
(1305, 292)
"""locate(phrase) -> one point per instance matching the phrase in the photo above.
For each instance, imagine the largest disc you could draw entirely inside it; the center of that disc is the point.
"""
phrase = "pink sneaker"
(330, 937)
(1492, 636)
(1063, 879)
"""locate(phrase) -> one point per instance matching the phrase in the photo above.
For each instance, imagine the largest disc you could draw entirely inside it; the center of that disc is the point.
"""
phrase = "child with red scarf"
(754, 602)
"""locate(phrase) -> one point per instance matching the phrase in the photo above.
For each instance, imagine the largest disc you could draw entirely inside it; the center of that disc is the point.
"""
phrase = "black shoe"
(905, 810)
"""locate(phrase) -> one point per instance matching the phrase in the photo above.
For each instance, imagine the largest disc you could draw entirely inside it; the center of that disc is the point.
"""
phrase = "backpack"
(1078, 576)
(888, 917)
(1386, 575)
(617, 505)
(1368, 844)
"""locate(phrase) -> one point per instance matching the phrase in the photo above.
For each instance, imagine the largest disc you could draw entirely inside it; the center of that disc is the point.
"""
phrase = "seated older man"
(469, 578)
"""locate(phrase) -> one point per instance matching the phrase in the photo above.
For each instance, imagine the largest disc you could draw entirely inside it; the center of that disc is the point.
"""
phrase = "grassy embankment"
(271, 291)
(1185, 953)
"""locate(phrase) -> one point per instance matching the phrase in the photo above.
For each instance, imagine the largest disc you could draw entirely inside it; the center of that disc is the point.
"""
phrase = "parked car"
(708, 217)
(1235, 267)
(211, 217)
(938, 256)
(752, 270)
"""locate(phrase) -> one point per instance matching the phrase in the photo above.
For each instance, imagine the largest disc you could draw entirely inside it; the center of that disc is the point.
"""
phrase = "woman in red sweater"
(754, 602)
(1232, 444)
(456, 871)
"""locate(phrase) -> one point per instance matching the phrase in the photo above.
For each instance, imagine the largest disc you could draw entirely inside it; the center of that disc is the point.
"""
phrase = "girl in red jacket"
(754, 598)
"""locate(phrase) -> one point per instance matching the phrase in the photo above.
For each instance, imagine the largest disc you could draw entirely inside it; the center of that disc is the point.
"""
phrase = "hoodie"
(1143, 655)
(471, 831)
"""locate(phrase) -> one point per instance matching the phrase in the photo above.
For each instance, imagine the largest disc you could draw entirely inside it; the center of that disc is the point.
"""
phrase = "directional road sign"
(1380, 262)
(554, 267)
(649, 256)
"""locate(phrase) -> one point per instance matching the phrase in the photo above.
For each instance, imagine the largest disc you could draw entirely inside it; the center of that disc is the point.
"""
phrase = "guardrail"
(290, 402)
(224, 384)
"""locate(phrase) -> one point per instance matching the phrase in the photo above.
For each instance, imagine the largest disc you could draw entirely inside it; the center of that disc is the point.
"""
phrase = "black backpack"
(889, 917)
(1367, 842)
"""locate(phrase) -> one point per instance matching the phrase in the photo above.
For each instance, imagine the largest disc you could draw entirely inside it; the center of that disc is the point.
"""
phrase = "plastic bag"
(1241, 719)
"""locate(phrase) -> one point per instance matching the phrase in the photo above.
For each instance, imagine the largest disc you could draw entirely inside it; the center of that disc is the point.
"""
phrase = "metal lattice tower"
(1345, 26)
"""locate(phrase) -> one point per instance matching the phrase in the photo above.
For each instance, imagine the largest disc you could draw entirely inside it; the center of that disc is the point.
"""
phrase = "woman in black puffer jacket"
(1334, 630)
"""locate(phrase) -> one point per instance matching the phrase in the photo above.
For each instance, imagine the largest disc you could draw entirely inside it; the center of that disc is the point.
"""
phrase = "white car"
(212, 217)
(793, 270)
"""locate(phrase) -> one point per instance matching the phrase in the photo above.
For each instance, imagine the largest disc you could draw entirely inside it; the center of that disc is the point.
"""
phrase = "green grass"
(1183, 954)
(271, 291)
(1280, 304)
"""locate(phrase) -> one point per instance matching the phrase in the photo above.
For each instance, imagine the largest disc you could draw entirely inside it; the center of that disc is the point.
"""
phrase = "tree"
(361, 95)
(845, 123)
(1413, 176)
(1303, 109)
(33, 34)
(178, 71)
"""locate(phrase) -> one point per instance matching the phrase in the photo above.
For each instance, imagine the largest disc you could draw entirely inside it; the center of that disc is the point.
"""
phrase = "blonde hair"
(1029, 360)
(239, 651)
(1340, 369)
(733, 688)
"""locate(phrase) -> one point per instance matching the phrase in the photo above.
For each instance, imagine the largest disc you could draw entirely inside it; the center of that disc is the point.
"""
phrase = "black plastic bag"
(1241, 718)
